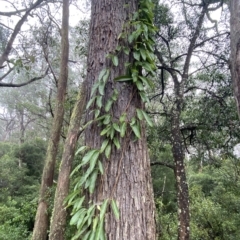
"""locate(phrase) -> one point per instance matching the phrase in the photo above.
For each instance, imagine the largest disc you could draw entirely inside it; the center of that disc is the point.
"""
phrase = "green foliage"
(19, 188)
(32, 154)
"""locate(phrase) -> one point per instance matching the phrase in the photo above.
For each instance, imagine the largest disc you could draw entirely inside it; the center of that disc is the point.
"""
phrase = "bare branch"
(17, 28)
(25, 83)
(163, 164)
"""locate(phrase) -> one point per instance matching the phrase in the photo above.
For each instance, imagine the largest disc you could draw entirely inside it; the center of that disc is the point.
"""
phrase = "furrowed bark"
(127, 177)
(42, 216)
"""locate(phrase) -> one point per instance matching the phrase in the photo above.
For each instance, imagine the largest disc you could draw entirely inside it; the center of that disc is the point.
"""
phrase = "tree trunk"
(42, 215)
(58, 223)
(235, 49)
(127, 177)
(180, 176)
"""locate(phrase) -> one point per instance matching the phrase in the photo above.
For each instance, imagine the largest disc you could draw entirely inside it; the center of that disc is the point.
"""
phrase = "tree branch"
(163, 164)
(17, 28)
(25, 83)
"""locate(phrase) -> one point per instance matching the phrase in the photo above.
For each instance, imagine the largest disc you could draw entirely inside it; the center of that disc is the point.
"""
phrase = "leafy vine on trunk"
(90, 221)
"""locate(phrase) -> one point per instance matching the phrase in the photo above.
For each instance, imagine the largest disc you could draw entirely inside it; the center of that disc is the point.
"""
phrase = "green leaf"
(104, 145)
(93, 179)
(148, 67)
(107, 119)
(136, 130)
(112, 132)
(95, 223)
(100, 231)
(143, 54)
(123, 129)
(136, 55)
(90, 102)
(139, 114)
(117, 143)
(116, 127)
(90, 213)
(97, 112)
(70, 198)
(131, 38)
(115, 209)
(100, 167)
(108, 151)
(147, 118)
(133, 121)
(101, 74)
(101, 88)
(103, 209)
(123, 117)
(92, 236)
(126, 50)
(78, 204)
(139, 85)
(143, 96)
(123, 78)
(87, 157)
(99, 101)
(115, 60)
(148, 83)
(82, 148)
(81, 219)
(86, 236)
(108, 105)
(118, 48)
(115, 95)
(94, 159)
(105, 130)
(105, 77)
(94, 88)
(76, 216)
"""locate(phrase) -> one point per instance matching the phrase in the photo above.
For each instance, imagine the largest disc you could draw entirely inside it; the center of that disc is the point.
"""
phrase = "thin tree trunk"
(42, 215)
(235, 49)
(181, 181)
(127, 177)
(58, 222)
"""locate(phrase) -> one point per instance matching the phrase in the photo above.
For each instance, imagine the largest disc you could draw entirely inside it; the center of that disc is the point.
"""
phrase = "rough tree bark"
(58, 222)
(235, 49)
(127, 176)
(42, 216)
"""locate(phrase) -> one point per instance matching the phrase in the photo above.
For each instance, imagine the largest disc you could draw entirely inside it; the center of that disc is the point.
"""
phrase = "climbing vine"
(90, 221)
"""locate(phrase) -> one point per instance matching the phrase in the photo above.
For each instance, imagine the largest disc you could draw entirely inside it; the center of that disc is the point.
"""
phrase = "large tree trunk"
(58, 223)
(42, 218)
(127, 177)
(235, 49)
